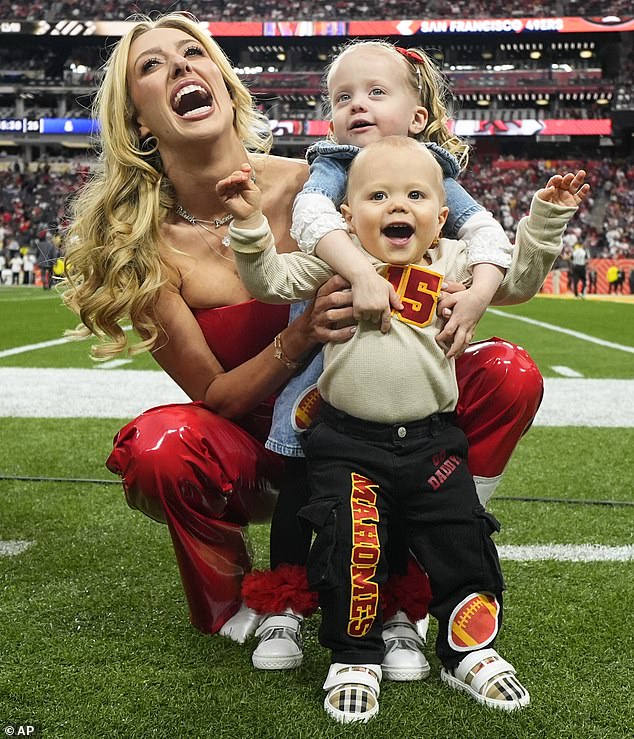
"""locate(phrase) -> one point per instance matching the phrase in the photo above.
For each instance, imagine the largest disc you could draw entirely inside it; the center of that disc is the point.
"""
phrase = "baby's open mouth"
(398, 231)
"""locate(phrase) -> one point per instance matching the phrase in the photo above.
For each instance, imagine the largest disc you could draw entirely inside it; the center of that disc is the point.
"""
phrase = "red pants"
(207, 477)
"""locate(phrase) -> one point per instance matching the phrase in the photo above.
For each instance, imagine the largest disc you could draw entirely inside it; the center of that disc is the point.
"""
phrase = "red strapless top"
(238, 332)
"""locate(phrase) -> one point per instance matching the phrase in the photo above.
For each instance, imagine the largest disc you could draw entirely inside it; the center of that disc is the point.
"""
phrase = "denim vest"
(329, 164)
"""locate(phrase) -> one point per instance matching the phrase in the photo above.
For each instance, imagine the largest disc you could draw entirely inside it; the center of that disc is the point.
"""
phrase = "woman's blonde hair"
(430, 87)
(114, 269)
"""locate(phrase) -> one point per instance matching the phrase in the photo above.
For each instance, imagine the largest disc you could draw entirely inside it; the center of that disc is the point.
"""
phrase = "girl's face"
(176, 88)
(371, 97)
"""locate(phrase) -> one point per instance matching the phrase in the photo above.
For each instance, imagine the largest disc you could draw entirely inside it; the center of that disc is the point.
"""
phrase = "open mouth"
(398, 233)
(359, 125)
(192, 100)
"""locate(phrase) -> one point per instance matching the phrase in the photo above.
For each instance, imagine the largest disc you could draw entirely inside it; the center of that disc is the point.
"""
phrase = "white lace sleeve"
(486, 240)
(314, 215)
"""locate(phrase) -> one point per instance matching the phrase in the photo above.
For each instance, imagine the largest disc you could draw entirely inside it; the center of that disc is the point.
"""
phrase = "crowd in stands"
(33, 201)
(32, 204)
(281, 10)
(606, 226)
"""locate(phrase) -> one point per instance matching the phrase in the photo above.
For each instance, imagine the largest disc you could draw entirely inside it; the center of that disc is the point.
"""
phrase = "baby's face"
(371, 97)
(396, 202)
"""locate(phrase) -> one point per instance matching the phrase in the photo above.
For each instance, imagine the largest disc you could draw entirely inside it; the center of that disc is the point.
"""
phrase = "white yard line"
(13, 547)
(100, 393)
(31, 347)
(561, 330)
(30, 392)
(522, 553)
(566, 553)
(565, 371)
(42, 344)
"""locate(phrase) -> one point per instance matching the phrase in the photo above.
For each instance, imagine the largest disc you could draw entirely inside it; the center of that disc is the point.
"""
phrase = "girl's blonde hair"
(430, 87)
(114, 269)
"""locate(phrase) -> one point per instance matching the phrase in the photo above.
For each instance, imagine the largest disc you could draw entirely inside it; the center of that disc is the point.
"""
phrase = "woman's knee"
(174, 452)
(502, 371)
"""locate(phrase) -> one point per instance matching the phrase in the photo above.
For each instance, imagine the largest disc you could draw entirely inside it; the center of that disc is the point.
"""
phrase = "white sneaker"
(404, 658)
(280, 646)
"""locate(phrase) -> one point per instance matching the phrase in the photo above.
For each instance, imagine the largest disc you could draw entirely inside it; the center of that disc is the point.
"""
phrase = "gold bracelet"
(281, 355)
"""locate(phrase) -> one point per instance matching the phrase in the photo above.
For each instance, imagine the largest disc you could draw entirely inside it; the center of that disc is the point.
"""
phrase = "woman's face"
(177, 90)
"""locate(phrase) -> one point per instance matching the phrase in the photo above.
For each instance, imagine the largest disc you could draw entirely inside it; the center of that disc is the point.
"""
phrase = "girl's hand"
(568, 189)
(373, 298)
(241, 196)
(463, 310)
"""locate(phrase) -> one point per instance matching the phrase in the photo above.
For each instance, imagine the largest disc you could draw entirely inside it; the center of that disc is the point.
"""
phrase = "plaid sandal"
(489, 679)
(353, 692)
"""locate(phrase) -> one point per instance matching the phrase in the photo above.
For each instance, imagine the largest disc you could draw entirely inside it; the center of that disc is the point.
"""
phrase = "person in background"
(592, 281)
(612, 276)
(47, 256)
(578, 262)
(15, 263)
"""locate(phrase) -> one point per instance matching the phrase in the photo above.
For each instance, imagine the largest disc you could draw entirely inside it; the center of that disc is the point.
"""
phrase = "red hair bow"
(411, 55)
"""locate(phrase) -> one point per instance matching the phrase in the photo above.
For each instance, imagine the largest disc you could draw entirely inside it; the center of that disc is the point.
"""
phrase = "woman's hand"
(328, 317)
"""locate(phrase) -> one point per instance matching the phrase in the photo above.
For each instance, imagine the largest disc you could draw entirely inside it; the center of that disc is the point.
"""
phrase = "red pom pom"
(410, 593)
(273, 591)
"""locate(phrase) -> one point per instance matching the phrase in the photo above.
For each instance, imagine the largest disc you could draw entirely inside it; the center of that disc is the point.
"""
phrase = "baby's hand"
(373, 298)
(568, 189)
(464, 309)
(240, 194)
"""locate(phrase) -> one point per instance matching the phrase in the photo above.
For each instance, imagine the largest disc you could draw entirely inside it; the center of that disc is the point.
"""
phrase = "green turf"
(612, 322)
(31, 316)
(95, 641)
(94, 638)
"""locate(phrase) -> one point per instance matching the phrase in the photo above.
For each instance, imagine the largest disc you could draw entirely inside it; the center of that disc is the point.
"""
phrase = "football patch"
(474, 622)
(306, 409)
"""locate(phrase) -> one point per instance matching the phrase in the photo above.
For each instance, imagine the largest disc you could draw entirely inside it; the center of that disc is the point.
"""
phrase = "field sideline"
(95, 640)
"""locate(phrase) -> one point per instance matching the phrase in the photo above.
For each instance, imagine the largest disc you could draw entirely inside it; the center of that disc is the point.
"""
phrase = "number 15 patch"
(419, 289)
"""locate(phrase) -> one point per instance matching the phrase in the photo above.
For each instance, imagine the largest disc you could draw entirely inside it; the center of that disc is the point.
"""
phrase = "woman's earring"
(149, 147)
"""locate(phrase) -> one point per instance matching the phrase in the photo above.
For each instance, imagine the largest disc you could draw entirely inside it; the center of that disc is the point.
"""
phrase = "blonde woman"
(147, 242)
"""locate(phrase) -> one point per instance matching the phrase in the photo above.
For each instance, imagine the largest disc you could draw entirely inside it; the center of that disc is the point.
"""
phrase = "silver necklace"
(215, 222)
